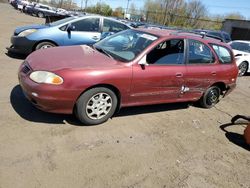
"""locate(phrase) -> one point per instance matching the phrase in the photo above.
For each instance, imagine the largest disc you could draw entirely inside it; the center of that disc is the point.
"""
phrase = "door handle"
(213, 73)
(179, 75)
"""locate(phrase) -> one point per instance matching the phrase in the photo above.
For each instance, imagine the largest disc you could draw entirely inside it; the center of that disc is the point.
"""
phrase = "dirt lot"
(174, 145)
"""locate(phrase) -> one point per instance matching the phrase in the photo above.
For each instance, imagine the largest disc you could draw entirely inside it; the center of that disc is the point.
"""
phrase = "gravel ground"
(172, 145)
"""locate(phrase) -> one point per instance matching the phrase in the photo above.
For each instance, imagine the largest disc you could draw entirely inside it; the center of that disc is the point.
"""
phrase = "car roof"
(157, 32)
(207, 30)
(96, 16)
(185, 34)
(242, 41)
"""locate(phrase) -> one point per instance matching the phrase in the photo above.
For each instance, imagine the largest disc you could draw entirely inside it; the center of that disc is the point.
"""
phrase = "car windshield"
(126, 45)
(245, 47)
(59, 22)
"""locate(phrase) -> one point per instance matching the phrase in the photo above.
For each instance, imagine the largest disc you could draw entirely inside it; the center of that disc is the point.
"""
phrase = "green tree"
(235, 16)
(118, 12)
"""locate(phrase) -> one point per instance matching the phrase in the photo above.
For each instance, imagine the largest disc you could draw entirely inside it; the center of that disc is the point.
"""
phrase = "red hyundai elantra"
(133, 67)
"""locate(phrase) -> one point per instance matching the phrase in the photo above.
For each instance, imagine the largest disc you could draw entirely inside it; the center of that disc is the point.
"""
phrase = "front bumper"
(46, 97)
(21, 45)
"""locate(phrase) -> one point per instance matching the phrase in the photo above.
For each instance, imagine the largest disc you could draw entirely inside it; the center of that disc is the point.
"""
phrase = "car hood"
(70, 57)
(23, 28)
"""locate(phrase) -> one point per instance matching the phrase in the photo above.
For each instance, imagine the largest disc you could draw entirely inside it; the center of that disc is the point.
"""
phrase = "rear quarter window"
(223, 53)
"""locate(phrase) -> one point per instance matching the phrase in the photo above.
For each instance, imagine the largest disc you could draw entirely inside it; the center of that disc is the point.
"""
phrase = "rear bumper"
(21, 45)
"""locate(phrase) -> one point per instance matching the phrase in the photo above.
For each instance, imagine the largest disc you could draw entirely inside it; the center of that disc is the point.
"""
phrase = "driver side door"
(86, 31)
(162, 80)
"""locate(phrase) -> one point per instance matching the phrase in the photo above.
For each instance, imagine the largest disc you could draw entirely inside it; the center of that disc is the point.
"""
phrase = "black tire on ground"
(96, 106)
(40, 15)
(243, 68)
(210, 97)
(44, 45)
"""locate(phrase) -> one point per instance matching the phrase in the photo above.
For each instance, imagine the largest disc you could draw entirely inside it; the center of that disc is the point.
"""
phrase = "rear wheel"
(44, 45)
(96, 106)
(210, 97)
(243, 68)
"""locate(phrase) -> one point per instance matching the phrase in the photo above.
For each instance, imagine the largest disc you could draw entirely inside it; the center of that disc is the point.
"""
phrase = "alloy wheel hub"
(98, 106)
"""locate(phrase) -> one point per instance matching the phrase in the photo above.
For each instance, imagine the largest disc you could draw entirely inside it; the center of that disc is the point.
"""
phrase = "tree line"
(175, 13)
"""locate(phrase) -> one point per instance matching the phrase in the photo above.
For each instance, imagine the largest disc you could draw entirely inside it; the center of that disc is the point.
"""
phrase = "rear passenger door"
(202, 69)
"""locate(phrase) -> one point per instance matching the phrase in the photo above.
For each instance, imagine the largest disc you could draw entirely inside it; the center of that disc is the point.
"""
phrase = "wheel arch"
(241, 60)
(109, 86)
(221, 85)
(246, 62)
(40, 41)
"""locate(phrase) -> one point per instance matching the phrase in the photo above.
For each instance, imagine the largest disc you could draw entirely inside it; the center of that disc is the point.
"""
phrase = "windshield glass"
(59, 22)
(126, 45)
(245, 47)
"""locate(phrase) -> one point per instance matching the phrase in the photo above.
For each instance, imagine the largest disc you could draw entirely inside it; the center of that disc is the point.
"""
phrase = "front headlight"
(46, 77)
(26, 32)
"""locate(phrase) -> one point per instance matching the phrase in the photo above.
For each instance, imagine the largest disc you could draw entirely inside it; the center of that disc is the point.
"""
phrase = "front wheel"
(96, 106)
(44, 45)
(243, 68)
(210, 97)
(40, 15)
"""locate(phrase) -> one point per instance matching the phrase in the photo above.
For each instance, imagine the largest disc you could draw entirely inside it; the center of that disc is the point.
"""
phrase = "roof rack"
(202, 34)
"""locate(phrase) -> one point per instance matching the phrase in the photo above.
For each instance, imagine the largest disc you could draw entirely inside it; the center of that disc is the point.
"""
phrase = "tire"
(44, 45)
(91, 110)
(40, 15)
(210, 97)
(243, 68)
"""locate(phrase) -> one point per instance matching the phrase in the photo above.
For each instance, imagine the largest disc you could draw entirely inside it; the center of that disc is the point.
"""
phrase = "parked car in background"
(130, 68)
(41, 10)
(241, 51)
(69, 31)
(29, 9)
(62, 11)
(22, 4)
(224, 36)
(17, 3)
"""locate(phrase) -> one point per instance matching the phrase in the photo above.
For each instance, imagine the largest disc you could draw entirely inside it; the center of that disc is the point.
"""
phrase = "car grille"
(26, 69)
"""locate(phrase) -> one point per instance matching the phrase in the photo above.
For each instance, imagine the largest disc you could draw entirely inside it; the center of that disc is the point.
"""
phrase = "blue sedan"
(66, 32)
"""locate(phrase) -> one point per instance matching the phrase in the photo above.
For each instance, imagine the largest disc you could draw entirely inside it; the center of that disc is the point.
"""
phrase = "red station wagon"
(130, 68)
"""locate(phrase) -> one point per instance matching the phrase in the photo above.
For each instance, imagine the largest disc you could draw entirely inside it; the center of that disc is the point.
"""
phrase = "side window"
(87, 24)
(167, 53)
(199, 53)
(223, 54)
(112, 26)
(43, 7)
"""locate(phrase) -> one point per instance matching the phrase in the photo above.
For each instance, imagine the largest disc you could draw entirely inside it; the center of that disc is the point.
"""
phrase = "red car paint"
(82, 67)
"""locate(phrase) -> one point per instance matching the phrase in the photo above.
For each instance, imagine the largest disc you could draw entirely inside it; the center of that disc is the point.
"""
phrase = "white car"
(61, 11)
(241, 51)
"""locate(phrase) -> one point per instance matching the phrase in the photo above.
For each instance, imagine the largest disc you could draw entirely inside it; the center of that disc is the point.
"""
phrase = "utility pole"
(86, 4)
(81, 4)
(127, 7)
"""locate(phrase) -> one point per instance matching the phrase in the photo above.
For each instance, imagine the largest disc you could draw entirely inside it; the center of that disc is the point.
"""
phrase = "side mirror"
(71, 28)
(143, 61)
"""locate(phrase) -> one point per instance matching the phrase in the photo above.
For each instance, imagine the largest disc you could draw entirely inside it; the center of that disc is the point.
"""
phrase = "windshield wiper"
(103, 51)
